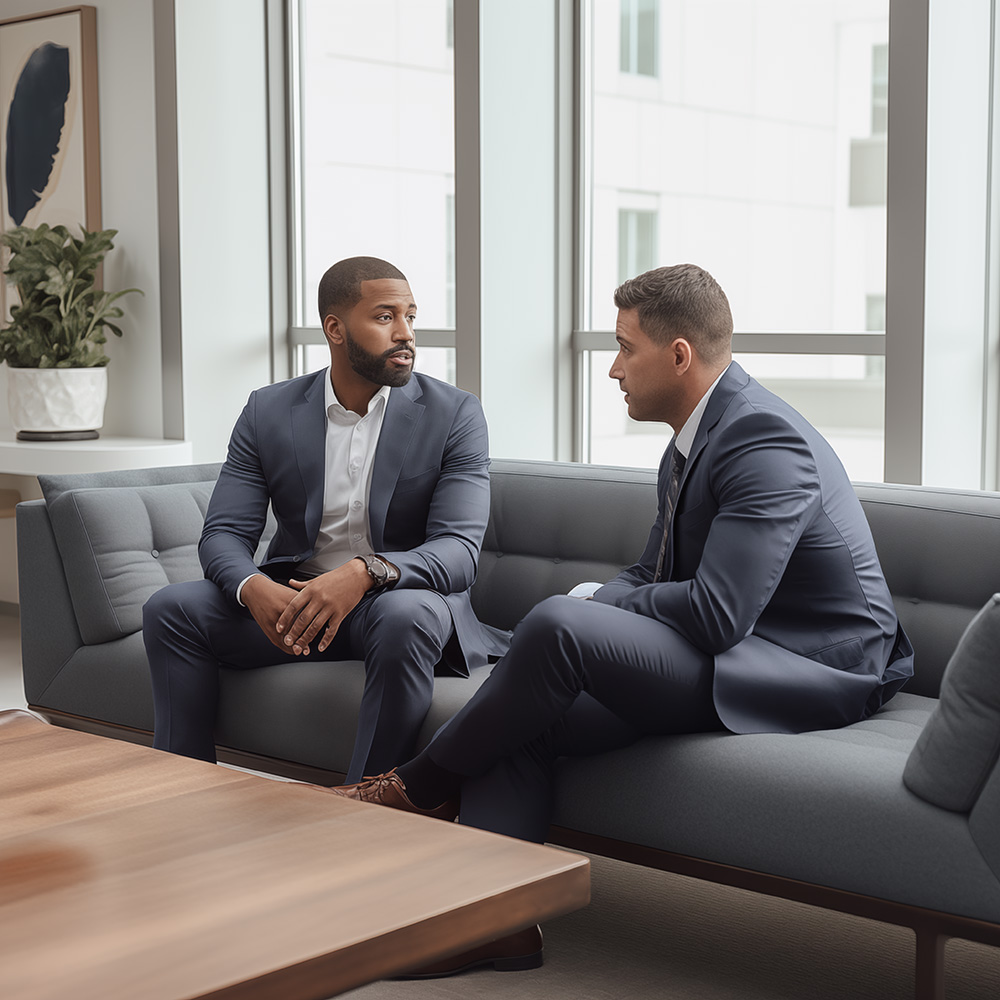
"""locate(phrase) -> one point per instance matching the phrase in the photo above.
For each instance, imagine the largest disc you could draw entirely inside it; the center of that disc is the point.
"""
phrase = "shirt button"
(357, 505)
(356, 537)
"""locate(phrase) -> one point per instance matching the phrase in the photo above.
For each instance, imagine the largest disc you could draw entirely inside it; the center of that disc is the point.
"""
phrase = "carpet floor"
(649, 935)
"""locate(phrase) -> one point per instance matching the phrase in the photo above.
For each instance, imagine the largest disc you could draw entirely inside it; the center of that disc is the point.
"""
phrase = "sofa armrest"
(49, 633)
(984, 821)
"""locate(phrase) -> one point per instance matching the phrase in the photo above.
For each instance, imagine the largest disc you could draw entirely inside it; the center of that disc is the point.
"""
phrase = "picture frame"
(50, 170)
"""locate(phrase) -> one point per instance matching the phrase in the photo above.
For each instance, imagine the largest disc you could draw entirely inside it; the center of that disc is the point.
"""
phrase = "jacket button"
(155, 553)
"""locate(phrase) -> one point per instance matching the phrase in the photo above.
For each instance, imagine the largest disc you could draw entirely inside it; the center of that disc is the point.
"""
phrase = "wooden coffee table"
(126, 872)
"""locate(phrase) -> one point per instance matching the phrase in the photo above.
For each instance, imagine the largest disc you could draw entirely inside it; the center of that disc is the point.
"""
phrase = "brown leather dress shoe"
(513, 953)
(389, 790)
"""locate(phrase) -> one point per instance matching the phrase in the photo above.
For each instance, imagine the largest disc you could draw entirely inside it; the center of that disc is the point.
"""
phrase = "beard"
(375, 367)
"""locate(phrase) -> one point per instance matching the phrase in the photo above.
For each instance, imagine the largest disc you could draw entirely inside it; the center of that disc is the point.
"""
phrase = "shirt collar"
(336, 409)
(686, 435)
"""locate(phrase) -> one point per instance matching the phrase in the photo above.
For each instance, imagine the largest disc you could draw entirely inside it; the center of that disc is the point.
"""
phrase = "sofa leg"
(930, 964)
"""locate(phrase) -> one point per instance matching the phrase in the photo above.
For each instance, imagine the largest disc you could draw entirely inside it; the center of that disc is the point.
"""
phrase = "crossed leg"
(580, 678)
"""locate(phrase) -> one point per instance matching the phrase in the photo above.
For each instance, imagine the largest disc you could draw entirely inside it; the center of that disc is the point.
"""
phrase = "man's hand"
(324, 601)
(266, 600)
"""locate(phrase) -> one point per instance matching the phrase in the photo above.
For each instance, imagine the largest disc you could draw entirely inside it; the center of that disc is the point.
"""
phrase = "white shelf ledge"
(105, 454)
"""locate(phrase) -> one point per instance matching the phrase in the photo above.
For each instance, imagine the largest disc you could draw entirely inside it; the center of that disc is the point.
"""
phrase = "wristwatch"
(381, 572)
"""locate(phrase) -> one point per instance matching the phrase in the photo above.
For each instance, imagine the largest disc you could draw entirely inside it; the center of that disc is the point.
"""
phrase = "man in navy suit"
(758, 604)
(378, 482)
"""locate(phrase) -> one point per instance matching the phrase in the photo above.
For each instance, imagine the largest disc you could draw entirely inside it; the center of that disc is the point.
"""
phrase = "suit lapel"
(402, 414)
(309, 442)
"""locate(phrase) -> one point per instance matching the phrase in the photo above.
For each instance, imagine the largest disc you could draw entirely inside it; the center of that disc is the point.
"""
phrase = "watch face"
(377, 570)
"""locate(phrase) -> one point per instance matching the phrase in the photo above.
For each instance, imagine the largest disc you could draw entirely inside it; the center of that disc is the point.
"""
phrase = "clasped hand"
(291, 617)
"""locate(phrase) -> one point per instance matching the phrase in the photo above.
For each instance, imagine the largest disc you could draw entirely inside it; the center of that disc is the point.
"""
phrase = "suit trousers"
(192, 629)
(580, 678)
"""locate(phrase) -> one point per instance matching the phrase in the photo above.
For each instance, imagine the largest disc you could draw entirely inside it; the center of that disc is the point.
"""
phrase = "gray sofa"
(825, 817)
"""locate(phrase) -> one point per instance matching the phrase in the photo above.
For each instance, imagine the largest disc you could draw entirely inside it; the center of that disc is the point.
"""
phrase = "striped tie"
(677, 461)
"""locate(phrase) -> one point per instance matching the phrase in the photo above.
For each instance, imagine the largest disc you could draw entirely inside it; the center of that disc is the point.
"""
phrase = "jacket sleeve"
(237, 511)
(447, 559)
(766, 483)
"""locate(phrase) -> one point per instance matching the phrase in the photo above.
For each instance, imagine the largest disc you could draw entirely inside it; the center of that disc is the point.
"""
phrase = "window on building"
(638, 41)
(449, 261)
(637, 242)
(880, 89)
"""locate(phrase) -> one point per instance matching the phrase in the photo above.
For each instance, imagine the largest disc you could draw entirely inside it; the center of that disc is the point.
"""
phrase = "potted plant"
(54, 341)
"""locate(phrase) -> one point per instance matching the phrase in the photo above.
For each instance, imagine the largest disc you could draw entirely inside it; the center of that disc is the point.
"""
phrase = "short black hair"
(340, 287)
(682, 300)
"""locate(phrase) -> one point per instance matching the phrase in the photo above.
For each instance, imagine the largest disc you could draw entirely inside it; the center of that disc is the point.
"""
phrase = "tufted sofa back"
(121, 536)
(554, 525)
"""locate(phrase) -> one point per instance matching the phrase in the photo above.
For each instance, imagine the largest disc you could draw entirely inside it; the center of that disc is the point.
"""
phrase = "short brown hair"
(340, 287)
(682, 300)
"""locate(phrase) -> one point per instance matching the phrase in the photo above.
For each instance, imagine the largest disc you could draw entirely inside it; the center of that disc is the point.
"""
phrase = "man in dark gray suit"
(378, 481)
(758, 604)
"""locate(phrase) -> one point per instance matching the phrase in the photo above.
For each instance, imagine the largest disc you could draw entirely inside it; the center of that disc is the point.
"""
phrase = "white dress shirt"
(351, 440)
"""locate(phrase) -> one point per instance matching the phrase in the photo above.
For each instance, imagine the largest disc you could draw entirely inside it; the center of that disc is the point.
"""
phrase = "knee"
(551, 617)
(403, 611)
(160, 606)
(171, 605)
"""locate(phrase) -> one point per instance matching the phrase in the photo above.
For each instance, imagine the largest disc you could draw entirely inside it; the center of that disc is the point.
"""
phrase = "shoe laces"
(374, 789)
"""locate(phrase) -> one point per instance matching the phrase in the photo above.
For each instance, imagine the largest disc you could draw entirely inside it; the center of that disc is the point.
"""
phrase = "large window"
(746, 143)
(857, 236)
(376, 163)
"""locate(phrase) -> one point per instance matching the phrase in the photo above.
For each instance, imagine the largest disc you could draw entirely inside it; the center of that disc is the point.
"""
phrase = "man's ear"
(682, 355)
(333, 329)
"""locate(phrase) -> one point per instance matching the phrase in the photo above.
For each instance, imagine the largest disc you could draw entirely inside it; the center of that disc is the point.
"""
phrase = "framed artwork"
(49, 140)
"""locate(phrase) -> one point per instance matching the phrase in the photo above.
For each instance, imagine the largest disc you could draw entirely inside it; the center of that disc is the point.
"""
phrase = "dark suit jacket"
(428, 504)
(771, 568)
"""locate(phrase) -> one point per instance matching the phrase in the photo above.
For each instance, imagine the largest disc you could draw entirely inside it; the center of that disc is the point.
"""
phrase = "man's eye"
(411, 320)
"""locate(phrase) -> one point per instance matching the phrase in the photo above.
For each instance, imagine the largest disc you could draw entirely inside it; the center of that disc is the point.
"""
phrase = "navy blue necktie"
(677, 461)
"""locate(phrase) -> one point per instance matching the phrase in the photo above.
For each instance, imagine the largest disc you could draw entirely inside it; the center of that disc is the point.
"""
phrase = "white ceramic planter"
(64, 401)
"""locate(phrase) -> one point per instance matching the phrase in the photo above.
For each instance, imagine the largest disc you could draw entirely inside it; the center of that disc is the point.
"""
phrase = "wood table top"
(130, 873)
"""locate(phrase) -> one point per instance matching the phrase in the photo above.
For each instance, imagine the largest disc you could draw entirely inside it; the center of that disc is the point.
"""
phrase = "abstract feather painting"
(49, 158)
(35, 121)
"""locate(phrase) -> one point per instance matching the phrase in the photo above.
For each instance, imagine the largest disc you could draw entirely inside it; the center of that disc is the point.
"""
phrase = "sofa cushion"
(826, 807)
(960, 744)
(119, 545)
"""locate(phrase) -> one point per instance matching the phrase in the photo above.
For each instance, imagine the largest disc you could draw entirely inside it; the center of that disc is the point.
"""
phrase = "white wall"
(129, 204)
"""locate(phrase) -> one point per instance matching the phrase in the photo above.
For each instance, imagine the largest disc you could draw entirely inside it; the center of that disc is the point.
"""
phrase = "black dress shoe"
(513, 953)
